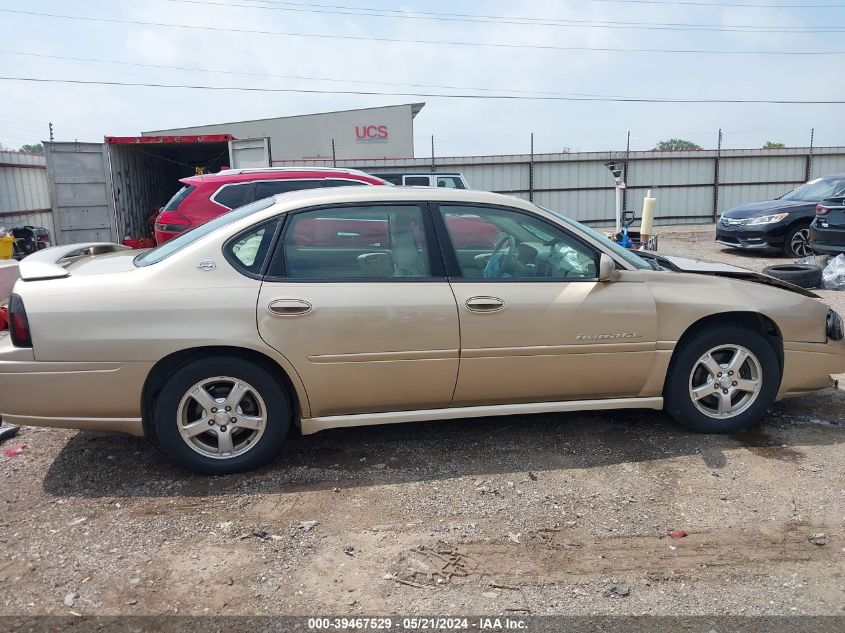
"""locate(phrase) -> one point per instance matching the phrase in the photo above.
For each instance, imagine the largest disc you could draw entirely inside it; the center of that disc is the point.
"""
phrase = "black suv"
(781, 225)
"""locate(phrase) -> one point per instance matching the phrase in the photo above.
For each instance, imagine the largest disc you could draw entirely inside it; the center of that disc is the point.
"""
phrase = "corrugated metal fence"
(690, 186)
(24, 191)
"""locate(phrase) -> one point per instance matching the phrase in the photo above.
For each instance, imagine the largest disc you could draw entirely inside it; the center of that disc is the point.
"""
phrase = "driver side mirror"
(607, 268)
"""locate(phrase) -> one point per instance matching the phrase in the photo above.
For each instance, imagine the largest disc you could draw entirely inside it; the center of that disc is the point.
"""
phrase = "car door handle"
(484, 304)
(289, 307)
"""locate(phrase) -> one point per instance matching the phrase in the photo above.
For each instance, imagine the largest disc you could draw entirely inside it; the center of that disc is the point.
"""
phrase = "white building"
(382, 132)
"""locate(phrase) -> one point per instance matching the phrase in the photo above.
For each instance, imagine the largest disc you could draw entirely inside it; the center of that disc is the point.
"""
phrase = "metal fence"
(690, 186)
(24, 191)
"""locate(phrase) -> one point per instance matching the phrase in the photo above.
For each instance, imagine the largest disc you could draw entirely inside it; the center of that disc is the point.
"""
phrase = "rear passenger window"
(417, 181)
(248, 251)
(384, 241)
(233, 196)
(272, 187)
(335, 182)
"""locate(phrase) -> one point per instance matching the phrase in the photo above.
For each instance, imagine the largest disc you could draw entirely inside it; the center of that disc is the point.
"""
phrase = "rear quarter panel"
(147, 313)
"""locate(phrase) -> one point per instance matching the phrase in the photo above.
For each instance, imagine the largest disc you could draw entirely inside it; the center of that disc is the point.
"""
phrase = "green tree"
(38, 148)
(773, 145)
(675, 144)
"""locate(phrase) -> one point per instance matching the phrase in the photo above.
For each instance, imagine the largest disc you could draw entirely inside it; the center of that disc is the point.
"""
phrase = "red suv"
(203, 198)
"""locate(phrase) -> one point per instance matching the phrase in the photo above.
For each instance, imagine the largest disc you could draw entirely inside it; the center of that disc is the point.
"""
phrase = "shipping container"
(112, 190)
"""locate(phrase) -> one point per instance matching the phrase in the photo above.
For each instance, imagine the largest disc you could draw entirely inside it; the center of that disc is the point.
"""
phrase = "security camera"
(614, 169)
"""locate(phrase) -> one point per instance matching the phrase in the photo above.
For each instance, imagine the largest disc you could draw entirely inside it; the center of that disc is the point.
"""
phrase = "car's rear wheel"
(222, 415)
(797, 242)
(722, 379)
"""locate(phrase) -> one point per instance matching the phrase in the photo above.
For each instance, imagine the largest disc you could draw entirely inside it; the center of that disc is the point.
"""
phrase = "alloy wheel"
(800, 243)
(725, 381)
(222, 417)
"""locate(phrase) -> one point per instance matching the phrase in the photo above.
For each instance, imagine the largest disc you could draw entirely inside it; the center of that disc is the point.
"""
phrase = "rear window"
(189, 237)
(180, 196)
(272, 187)
(233, 196)
(450, 182)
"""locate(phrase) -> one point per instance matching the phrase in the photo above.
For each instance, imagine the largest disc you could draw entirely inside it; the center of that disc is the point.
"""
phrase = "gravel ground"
(564, 514)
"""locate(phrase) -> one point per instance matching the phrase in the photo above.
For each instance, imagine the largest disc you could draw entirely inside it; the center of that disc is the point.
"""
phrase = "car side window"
(355, 242)
(337, 182)
(234, 196)
(499, 243)
(269, 188)
(450, 182)
(417, 181)
(248, 250)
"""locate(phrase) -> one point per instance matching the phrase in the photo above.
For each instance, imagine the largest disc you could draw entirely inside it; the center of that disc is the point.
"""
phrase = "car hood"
(716, 269)
(768, 207)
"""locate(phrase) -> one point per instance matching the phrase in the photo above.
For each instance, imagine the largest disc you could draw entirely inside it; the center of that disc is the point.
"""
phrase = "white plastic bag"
(833, 276)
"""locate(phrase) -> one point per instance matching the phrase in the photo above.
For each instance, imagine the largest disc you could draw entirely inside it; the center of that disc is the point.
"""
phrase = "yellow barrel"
(7, 247)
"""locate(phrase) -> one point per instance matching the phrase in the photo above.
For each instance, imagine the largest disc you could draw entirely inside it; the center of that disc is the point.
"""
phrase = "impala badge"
(604, 337)
(207, 265)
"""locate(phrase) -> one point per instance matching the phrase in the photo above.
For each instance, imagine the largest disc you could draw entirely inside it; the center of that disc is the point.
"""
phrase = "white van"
(451, 180)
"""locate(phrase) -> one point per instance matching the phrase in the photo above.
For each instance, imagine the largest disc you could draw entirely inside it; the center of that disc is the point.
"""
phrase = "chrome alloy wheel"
(800, 244)
(725, 381)
(222, 417)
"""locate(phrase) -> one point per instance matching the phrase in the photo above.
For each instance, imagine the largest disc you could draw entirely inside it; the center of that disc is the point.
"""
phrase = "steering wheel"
(501, 262)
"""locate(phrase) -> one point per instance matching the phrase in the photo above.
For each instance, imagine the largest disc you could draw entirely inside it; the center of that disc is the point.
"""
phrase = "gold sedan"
(355, 306)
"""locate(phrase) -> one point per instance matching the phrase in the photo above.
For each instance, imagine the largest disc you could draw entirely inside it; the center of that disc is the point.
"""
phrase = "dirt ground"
(563, 514)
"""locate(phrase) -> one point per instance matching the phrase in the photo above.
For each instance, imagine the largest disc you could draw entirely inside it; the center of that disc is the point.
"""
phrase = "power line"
(302, 7)
(420, 94)
(361, 38)
(726, 4)
(303, 77)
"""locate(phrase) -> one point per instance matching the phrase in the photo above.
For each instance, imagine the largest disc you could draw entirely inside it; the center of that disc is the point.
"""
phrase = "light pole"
(616, 170)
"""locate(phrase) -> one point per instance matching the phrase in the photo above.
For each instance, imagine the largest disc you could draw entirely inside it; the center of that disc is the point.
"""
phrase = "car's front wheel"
(722, 379)
(797, 242)
(222, 415)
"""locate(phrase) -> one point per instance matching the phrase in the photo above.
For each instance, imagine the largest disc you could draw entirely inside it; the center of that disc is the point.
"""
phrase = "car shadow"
(112, 465)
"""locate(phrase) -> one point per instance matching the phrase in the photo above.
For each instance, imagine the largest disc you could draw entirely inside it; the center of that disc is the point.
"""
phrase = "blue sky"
(459, 126)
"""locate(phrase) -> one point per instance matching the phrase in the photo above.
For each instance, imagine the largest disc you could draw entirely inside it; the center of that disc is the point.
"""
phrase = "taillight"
(18, 323)
(172, 222)
(822, 210)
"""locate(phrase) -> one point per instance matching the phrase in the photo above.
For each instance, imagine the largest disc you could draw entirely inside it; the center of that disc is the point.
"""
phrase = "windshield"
(189, 237)
(633, 259)
(817, 190)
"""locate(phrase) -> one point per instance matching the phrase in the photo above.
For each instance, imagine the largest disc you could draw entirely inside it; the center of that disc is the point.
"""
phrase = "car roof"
(376, 195)
(279, 173)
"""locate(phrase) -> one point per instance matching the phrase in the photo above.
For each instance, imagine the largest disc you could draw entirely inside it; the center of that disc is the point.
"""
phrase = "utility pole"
(625, 172)
(334, 155)
(810, 155)
(531, 172)
(432, 153)
(716, 168)
(51, 131)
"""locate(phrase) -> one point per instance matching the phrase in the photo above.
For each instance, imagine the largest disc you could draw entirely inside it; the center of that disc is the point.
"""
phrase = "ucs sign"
(371, 133)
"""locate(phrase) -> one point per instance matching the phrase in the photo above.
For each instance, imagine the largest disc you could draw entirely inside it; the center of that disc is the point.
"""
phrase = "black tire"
(678, 400)
(803, 275)
(274, 395)
(792, 247)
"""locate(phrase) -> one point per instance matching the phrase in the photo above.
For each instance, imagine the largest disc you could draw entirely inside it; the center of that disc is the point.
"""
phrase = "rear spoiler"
(50, 263)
